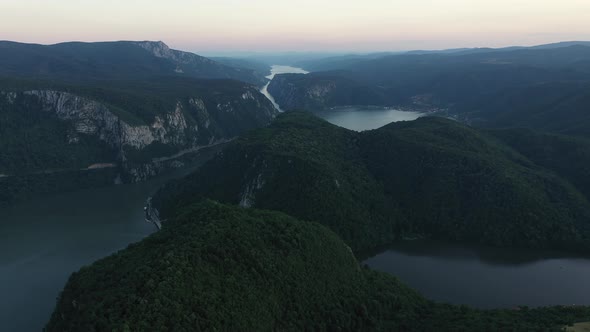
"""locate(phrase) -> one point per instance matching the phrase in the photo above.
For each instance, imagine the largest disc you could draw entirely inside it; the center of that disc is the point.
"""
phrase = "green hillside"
(217, 267)
(431, 177)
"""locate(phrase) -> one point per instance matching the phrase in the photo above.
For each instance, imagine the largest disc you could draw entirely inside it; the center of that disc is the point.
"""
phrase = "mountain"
(258, 66)
(564, 155)
(315, 91)
(559, 107)
(76, 61)
(131, 129)
(341, 61)
(431, 177)
(543, 88)
(218, 267)
(85, 114)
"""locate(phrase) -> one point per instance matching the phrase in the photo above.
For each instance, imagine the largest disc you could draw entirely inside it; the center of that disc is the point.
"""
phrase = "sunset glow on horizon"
(305, 25)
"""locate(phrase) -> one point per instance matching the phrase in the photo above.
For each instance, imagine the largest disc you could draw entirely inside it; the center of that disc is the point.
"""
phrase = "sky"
(210, 26)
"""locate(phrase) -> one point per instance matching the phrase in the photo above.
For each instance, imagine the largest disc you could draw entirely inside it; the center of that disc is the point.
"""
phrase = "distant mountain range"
(76, 61)
(337, 61)
(544, 87)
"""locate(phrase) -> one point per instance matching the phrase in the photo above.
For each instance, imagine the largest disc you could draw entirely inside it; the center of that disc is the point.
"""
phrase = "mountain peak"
(157, 48)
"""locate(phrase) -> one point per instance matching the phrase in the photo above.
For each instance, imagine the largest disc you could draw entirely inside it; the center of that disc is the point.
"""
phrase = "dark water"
(44, 240)
(366, 118)
(488, 277)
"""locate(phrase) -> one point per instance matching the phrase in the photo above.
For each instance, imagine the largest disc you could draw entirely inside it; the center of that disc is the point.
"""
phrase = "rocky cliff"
(145, 148)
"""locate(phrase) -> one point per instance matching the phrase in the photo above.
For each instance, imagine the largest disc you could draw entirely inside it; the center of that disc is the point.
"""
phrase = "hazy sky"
(299, 25)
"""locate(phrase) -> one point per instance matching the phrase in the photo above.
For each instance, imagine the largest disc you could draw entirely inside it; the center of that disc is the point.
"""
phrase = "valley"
(394, 191)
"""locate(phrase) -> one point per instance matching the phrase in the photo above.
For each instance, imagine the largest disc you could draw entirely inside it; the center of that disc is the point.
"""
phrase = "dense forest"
(431, 177)
(219, 267)
(266, 235)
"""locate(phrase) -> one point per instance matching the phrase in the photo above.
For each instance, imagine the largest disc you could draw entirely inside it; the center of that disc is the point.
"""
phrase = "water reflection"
(361, 118)
(487, 277)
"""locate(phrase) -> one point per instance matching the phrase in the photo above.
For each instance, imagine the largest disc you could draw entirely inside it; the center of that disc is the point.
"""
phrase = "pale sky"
(299, 25)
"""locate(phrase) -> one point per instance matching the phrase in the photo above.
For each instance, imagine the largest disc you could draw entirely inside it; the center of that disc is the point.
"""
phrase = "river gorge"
(44, 240)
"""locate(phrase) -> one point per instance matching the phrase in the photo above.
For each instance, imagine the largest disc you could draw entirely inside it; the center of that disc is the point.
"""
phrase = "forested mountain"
(344, 61)
(218, 267)
(564, 155)
(431, 177)
(237, 62)
(543, 88)
(101, 113)
(140, 128)
(76, 61)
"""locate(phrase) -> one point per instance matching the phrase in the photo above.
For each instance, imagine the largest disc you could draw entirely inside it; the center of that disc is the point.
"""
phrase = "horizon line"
(261, 52)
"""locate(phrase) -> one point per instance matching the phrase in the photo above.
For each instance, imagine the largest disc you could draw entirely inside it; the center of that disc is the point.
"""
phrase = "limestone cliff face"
(289, 93)
(146, 149)
(93, 118)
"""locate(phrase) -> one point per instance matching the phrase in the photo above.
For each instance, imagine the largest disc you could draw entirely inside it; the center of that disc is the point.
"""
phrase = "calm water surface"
(44, 240)
(357, 118)
(488, 277)
(361, 118)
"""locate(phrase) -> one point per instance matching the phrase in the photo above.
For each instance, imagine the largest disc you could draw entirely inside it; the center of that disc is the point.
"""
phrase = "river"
(279, 69)
(361, 118)
(486, 277)
(357, 118)
(44, 240)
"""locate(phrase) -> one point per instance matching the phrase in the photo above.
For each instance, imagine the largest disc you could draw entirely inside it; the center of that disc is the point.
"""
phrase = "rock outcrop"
(192, 64)
(148, 148)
